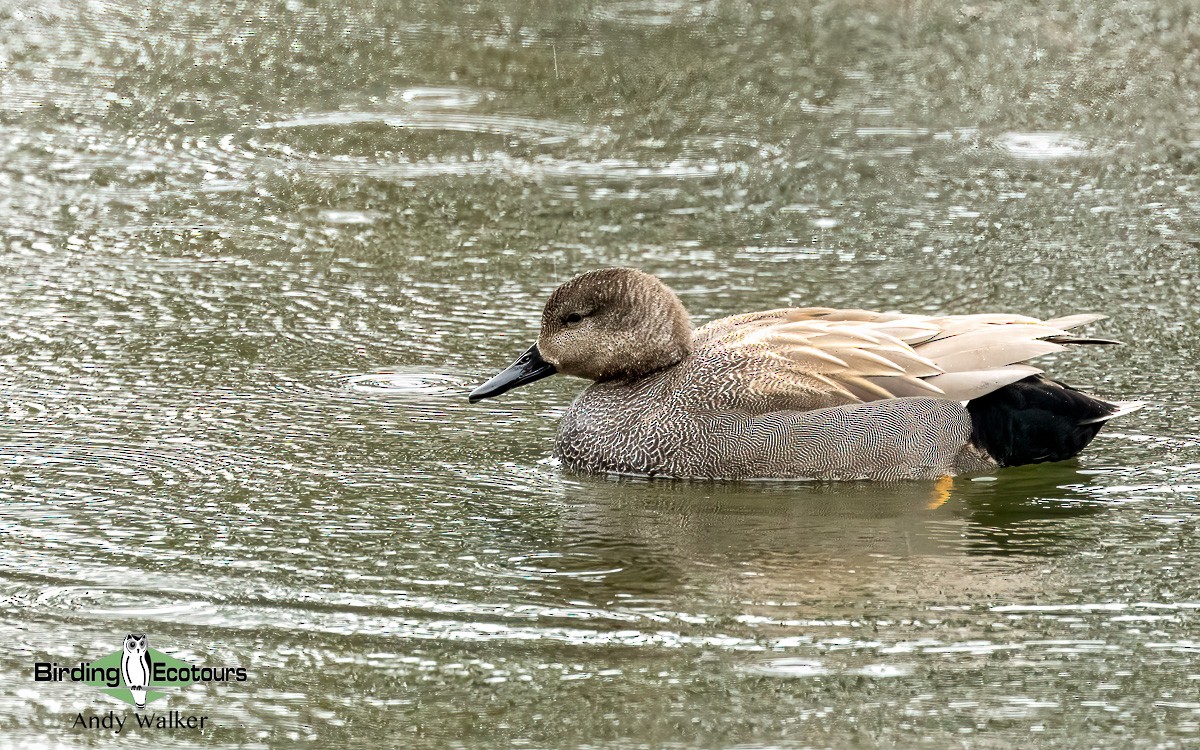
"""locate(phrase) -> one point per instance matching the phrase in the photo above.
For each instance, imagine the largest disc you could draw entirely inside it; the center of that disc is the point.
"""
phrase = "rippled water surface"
(253, 256)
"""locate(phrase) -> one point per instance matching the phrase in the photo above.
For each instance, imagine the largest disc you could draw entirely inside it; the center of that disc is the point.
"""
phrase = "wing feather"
(818, 356)
(991, 346)
(867, 362)
(907, 385)
(1068, 322)
(964, 386)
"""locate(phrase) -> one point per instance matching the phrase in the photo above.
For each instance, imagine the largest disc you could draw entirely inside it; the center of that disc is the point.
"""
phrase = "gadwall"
(800, 392)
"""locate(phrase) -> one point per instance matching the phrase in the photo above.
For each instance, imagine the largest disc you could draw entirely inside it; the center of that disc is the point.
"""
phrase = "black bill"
(529, 367)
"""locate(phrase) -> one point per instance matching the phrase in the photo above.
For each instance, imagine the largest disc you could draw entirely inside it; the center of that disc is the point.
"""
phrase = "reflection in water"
(1025, 510)
(819, 542)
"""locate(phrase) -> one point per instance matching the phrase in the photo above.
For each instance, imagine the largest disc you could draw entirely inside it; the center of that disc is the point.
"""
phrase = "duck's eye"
(574, 318)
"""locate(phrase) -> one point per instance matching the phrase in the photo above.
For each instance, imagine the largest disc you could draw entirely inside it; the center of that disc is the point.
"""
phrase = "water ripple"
(1045, 146)
(534, 129)
(408, 383)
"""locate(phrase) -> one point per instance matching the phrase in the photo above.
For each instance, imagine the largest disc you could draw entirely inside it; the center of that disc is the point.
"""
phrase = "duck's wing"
(829, 357)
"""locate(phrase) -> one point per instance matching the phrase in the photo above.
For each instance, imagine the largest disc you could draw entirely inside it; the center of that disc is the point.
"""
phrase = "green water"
(253, 256)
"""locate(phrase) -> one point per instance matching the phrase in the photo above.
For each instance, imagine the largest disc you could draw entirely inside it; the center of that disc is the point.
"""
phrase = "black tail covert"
(1034, 420)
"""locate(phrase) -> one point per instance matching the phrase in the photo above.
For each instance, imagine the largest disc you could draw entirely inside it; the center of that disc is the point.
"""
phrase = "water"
(254, 256)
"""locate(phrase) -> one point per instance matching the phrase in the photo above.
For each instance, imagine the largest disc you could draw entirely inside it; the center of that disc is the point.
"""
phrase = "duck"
(801, 393)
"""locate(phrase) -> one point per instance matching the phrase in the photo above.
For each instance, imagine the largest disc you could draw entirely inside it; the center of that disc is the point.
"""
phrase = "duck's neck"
(665, 344)
(654, 357)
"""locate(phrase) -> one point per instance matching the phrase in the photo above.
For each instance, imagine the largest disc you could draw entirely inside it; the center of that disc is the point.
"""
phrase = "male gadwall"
(800, 392)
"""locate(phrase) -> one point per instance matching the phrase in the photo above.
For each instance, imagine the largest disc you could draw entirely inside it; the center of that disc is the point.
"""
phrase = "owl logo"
(135, 667)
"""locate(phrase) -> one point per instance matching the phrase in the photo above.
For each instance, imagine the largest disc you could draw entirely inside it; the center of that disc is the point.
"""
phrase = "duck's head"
(611, 324)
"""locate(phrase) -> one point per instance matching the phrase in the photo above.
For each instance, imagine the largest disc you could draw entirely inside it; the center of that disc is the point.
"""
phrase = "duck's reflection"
(822, 543)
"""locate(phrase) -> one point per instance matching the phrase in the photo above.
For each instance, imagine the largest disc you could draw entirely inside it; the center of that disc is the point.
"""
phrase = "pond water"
(254, 255)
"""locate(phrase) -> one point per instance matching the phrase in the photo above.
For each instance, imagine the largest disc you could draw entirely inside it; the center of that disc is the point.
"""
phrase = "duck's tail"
(1037, 419)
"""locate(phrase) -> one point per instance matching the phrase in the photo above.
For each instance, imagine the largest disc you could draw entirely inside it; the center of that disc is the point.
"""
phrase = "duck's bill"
(529, 367)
